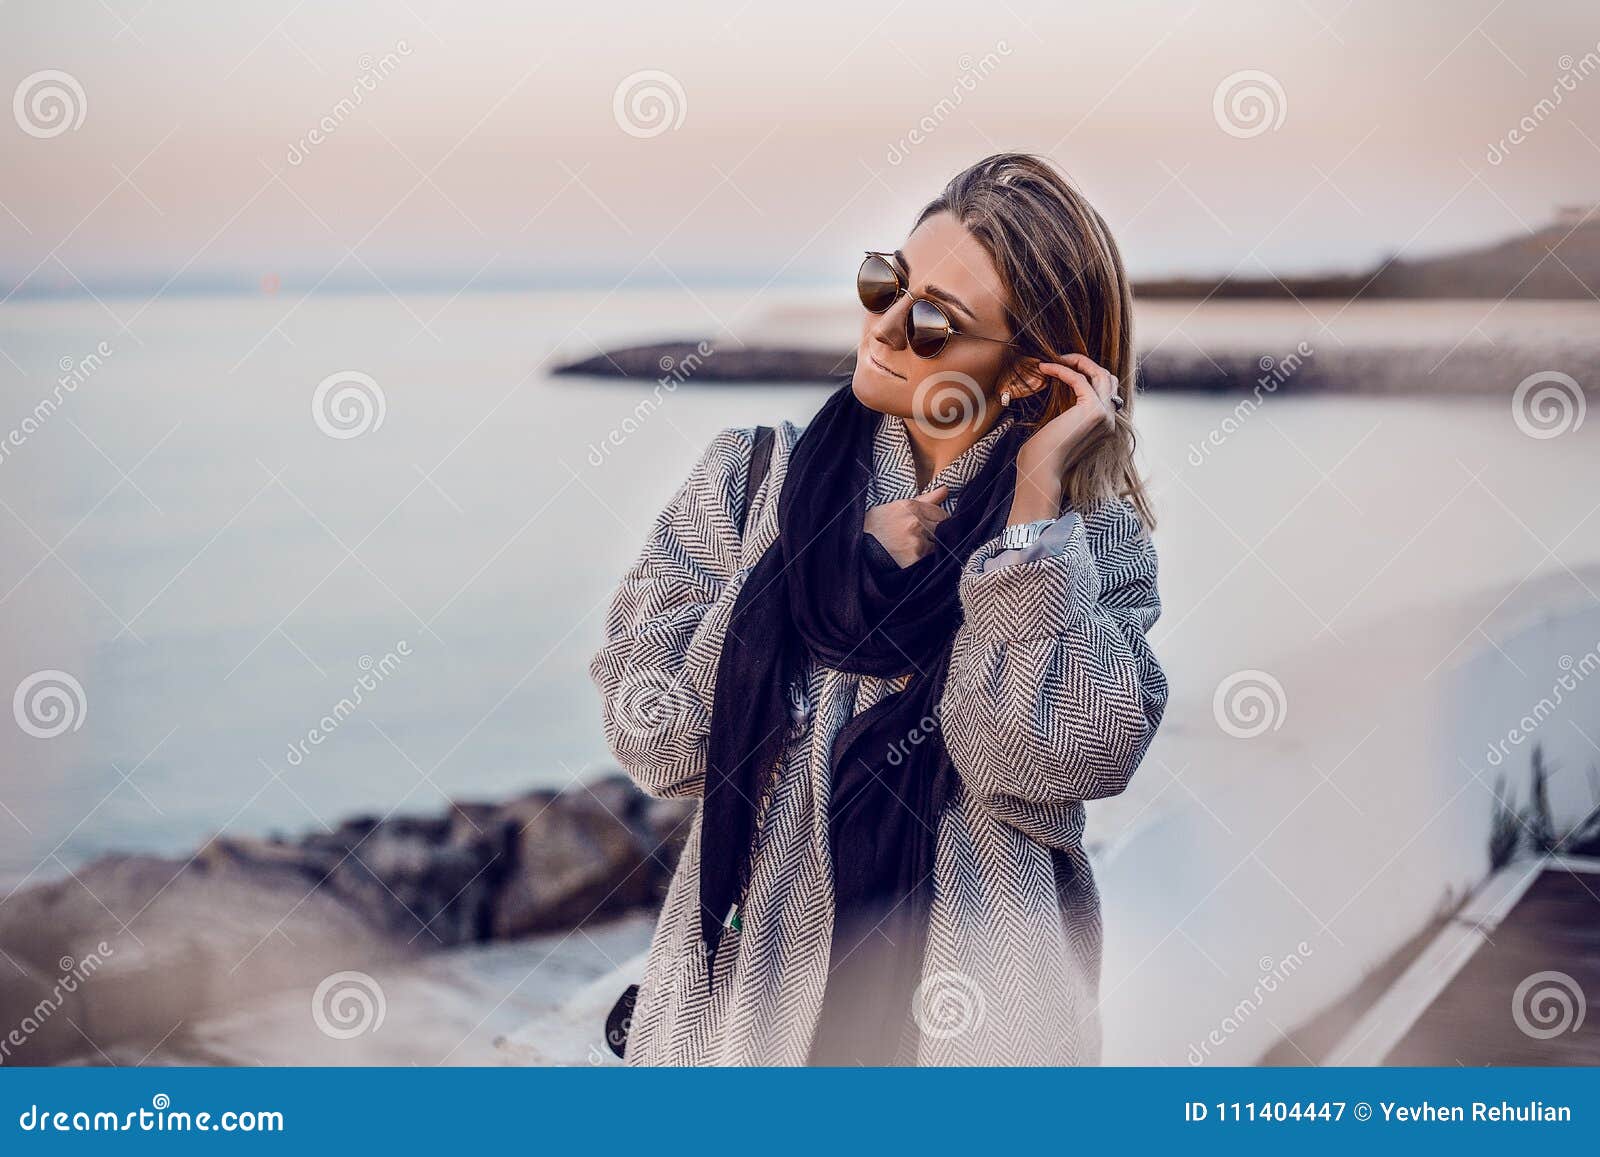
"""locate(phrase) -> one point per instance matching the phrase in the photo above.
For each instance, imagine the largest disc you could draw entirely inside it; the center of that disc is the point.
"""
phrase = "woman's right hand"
(905, 528)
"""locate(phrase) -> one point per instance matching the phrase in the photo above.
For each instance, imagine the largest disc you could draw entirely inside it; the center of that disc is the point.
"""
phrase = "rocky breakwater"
(129, 949)
(1226, 346)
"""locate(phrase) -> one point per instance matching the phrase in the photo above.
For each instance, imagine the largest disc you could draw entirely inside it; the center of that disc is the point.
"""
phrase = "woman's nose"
(890, 328)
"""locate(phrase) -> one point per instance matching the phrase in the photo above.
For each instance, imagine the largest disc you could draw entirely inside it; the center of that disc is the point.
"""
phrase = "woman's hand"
(905, 528)
(1043, 460)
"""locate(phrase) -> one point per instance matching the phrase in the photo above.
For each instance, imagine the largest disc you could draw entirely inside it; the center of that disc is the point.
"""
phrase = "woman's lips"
(885, 368)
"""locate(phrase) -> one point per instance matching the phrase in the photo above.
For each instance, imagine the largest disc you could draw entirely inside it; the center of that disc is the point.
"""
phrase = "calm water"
(217, 572)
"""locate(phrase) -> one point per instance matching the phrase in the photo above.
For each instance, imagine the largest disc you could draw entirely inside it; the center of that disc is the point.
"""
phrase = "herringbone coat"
(1052, 698)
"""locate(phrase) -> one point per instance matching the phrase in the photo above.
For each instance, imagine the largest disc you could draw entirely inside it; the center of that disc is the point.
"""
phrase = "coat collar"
(894, 471)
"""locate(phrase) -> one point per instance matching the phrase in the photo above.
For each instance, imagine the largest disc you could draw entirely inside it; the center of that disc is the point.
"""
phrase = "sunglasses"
(880, 283)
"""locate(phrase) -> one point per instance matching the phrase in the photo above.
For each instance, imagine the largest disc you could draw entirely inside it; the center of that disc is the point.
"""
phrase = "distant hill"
(1559, 261)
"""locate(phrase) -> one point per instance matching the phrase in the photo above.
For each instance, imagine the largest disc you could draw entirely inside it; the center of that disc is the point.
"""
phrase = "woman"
(896, 667)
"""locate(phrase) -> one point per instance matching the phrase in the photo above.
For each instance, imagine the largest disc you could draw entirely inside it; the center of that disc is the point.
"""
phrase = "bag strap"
(620, 1019)
(760, 459)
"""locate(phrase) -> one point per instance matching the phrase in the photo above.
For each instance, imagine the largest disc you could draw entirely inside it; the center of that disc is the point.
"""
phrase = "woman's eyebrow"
(946, 296)
(933, 290)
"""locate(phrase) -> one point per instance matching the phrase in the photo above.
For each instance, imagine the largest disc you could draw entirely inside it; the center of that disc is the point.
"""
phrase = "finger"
(914, 540)
(1086, 365)
(1105, 382)
(927, 508)
(1082, 388)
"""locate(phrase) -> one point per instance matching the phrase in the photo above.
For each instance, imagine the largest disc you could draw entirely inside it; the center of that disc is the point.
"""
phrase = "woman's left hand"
(1045, 456)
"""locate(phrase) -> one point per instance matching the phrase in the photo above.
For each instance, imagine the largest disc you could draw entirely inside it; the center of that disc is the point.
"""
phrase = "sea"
(270, 562)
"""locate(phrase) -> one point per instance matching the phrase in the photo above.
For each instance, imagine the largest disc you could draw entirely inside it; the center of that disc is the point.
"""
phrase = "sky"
(495, 143)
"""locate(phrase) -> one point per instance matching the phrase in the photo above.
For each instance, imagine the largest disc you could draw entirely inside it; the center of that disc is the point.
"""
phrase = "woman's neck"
(933, 450)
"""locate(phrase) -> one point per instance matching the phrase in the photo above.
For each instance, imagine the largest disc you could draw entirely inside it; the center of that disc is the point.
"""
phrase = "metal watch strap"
(1023, 535)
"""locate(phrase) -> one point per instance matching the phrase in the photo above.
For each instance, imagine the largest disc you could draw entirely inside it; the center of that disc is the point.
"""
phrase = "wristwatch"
(1024, 534)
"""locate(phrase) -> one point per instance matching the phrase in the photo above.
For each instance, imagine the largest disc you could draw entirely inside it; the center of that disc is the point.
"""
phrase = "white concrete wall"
(1231, 913)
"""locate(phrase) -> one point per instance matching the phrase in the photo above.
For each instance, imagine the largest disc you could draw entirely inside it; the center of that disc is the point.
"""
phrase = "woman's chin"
(878, 391)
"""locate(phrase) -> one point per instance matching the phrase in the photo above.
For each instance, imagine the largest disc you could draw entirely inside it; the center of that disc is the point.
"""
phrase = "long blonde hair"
(1069, 293)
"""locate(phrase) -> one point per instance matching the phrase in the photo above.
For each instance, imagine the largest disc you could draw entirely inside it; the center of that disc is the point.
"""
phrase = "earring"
(1005, 397)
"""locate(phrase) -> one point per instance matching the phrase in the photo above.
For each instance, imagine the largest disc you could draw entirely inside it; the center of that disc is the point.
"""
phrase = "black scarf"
(815, 593)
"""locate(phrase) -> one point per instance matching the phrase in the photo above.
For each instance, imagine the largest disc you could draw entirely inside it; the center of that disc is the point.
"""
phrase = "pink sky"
(492, 149)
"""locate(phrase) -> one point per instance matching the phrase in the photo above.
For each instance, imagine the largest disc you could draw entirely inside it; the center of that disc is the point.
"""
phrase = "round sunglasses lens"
(877, 284)
(927, 328)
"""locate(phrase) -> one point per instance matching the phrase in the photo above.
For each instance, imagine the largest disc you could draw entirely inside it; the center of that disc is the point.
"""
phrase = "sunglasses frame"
(892, 261)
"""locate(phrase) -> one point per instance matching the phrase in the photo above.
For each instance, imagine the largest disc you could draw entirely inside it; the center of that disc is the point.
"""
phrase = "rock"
(431, 880)
(162, 943)
(679, 361)
(142, 991)
(485, 871)
(576, 857)
(36, 1017)
(151, 943)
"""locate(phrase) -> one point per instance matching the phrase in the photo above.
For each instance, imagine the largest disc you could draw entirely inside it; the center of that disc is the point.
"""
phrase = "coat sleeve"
(1054, 692)
(656, 670)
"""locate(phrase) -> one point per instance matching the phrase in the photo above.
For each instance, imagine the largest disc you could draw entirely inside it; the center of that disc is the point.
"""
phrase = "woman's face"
(944, 262)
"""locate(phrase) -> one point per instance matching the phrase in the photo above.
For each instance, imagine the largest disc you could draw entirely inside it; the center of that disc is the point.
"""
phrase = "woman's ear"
(1023, 378)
